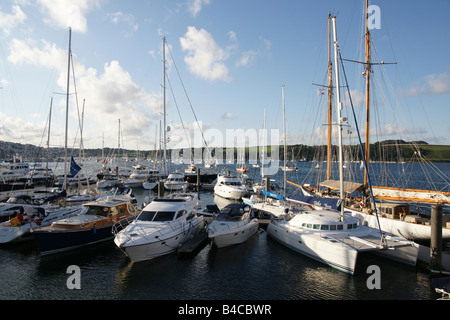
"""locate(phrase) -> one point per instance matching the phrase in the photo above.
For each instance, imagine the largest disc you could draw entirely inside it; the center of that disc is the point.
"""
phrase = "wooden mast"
(367, 73)
(330, 96)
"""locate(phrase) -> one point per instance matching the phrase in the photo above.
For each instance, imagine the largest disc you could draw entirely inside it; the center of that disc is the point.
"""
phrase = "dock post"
(198, 179)
(436, 238)
(160, 189)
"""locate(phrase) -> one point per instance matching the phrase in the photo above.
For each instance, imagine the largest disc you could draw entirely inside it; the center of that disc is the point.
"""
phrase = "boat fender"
(14, 222)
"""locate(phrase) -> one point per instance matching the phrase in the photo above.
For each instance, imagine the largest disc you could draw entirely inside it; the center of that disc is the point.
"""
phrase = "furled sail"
(413, 195)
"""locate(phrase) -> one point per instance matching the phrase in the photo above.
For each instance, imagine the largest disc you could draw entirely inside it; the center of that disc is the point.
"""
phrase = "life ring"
(362, 205)
(14, 222)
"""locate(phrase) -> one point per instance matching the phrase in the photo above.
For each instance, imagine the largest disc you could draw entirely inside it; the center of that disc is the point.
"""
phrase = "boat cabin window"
(329, 227)
(232, 183)
(190, 216)
(180, 213)
(95, 210)
(118, 210)
(156, 216)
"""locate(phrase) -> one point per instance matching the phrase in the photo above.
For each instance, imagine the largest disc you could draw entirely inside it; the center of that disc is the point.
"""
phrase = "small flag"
(320, 91)
(74, 168)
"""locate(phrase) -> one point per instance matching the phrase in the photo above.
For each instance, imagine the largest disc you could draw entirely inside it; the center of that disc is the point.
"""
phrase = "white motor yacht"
(230, 187)
(233, 225)
(175, 182)
(162, 226)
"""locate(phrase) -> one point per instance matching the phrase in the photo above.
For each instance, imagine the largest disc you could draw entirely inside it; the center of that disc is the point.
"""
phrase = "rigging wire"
(187, 96)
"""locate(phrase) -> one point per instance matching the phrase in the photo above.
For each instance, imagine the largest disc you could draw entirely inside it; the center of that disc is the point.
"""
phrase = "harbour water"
(259, 269)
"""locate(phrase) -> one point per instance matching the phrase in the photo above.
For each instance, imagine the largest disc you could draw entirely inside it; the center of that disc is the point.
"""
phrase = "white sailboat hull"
(407, 230)
(336, 255)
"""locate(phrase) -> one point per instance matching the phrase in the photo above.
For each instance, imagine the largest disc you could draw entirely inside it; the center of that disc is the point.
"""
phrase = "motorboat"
(13, 176)
(175, 182)
(139, 176)
(150, 183)
(120, 192)
(229, 187)
(40, 175)
(242, 169)
(191, 169)
(108, 181)
(233, 225)
(326, 236)
(93, 224)
(19, 219)
(289, 168)
(163, 225)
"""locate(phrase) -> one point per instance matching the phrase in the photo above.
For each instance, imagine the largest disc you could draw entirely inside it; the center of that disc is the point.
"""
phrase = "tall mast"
(367, 73)
(67, 109)
(340, 120)
(263, 153)
(48, 137)
(284, 129)
(164, 104)
(330, 96)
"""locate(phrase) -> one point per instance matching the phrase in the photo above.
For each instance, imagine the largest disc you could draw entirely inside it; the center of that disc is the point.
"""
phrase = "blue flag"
(74, 168)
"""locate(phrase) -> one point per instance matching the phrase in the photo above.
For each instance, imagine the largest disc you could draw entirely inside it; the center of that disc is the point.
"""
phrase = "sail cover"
(349, 187)
(413, 195)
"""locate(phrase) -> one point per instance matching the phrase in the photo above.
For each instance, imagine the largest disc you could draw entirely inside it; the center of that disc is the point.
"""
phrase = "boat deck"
(369, 243)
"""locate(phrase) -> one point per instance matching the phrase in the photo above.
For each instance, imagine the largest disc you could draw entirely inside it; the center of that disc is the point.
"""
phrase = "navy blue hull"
(49, 242)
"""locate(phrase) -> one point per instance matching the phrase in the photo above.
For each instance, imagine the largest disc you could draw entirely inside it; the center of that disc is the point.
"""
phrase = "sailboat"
(333, 237)
(292, 166)
(394, 204)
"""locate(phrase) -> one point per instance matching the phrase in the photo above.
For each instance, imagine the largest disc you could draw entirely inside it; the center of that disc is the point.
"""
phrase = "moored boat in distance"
(229, 187)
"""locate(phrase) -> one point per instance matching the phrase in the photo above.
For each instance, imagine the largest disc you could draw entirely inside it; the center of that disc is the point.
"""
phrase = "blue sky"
(232, 57)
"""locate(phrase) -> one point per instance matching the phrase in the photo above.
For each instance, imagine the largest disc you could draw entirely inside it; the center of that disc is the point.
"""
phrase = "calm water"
(260, 269)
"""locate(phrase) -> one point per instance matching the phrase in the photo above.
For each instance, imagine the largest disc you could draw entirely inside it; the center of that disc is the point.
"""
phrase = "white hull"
(333, 254)
(149, 185)
(134, 183)
(13, 234)
(339, 248)
(175, 187)
(169, 239)
(230, 193)
(224, 235)
(407, 230)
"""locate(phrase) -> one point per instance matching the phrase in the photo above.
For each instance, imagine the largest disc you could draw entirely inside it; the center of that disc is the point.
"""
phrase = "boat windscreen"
(156, 216)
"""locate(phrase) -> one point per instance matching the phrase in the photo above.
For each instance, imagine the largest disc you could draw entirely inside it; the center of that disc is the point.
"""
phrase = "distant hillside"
(389, 150)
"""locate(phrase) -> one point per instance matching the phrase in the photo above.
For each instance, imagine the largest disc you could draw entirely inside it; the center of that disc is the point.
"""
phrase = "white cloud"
(110, 96)
(68, 13)
(432, 84)
(195, 6)
(247, 58)
(228, 116)
(127, 18)
(204, 57)
(10, 21)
